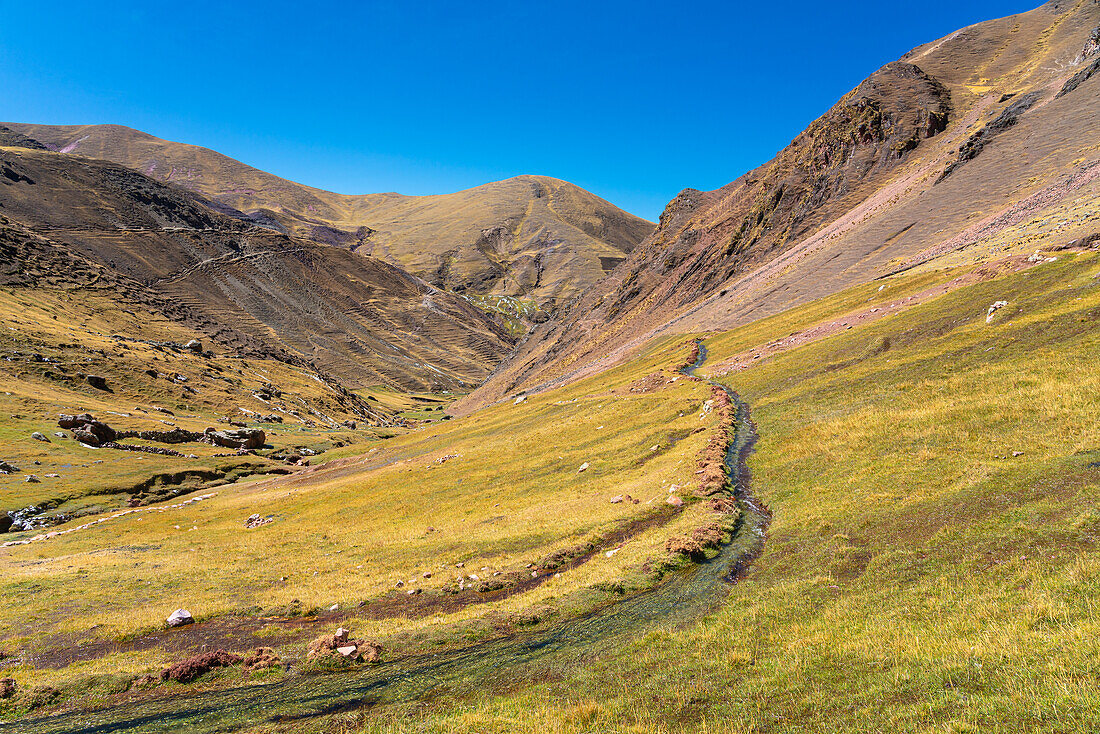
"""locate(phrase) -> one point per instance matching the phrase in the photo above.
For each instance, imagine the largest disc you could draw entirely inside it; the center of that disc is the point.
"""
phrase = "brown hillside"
(984, 141)
(530, 236)
(249, 287)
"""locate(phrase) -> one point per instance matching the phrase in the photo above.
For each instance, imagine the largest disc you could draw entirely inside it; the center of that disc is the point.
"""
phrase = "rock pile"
(340, 644)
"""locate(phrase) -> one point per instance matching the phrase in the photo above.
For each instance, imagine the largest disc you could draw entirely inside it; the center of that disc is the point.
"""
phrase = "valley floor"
(933, 474)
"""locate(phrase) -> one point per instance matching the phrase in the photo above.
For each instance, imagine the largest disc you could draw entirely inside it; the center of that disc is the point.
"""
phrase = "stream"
(684, 596)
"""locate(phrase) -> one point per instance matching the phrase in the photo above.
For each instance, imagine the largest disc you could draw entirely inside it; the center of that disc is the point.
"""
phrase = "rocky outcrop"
(87, 429)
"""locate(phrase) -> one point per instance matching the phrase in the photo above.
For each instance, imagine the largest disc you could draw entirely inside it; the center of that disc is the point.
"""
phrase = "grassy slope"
(914, 579)
(348, 531)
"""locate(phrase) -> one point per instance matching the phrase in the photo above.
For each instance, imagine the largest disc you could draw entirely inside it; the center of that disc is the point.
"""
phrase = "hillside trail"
(499, 664)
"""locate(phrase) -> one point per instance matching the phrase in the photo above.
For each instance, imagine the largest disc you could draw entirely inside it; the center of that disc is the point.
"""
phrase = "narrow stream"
(683, 597)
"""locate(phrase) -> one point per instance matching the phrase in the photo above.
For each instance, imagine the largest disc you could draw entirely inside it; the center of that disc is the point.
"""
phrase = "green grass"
(917, 577)
(913, 581)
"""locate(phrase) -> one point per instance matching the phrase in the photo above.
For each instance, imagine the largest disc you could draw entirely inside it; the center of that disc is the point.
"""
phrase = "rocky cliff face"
(968, 124)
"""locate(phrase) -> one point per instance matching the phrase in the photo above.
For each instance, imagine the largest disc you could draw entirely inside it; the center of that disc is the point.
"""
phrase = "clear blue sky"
(632, 100)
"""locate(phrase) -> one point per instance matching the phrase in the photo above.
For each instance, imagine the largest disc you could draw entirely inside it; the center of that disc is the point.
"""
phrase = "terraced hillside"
(531, 236)
(248, 287)
(976, 145)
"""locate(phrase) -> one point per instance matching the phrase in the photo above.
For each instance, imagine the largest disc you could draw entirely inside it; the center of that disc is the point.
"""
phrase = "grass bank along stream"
(683, 596)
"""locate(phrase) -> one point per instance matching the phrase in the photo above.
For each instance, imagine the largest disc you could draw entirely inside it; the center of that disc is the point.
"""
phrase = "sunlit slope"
(978, 145)
(530, 236)
(453, 512)
(931, 564)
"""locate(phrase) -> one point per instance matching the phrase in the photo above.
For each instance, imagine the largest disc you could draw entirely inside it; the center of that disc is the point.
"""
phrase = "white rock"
(584, 467)
(520, 399)
(994, 308)
(616, 499)
(675, 501)
(179, 618)
(348, 651)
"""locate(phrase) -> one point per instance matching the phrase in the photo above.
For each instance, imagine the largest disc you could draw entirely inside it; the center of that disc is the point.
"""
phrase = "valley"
(819, 451)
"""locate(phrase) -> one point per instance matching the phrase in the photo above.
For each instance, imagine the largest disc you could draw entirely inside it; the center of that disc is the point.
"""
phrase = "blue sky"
(634, 101)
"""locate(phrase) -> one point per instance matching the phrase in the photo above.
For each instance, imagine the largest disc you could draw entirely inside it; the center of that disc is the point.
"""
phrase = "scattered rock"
(59, 434)
(39, 437)
(179, 618)
(255, 521)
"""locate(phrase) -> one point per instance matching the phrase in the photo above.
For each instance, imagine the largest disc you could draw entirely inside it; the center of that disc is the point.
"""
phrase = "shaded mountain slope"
(530, 236)
(360, 319)
(952, 151)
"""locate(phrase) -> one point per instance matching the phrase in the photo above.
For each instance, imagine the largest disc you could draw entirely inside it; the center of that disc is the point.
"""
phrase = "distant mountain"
(250, 288)
(530, 236)
(980, 143)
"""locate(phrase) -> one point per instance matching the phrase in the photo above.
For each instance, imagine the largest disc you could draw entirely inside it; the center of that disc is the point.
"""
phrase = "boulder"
(98, 382)
(584, 467)
(6, 468)
(193, 346)
(39, 437)
(87, 429)
(675, 501)
(7, 687)
(994, 308)
(33, 479)
(179, 618)
(238, 438)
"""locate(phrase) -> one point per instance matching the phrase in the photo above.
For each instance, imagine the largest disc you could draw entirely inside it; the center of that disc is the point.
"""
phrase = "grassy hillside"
(934, 482)
(932, 477)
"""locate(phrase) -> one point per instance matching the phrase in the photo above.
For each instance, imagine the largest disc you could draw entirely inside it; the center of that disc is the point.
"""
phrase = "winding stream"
(499, 663)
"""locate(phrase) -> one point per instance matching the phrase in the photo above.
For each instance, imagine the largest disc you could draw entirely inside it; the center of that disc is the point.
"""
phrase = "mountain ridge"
(527, 236)
(860, 194)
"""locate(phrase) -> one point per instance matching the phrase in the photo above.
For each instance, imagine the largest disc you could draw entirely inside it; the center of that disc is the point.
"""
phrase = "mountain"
(530, 236)
(980, 143)
(250, 288)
